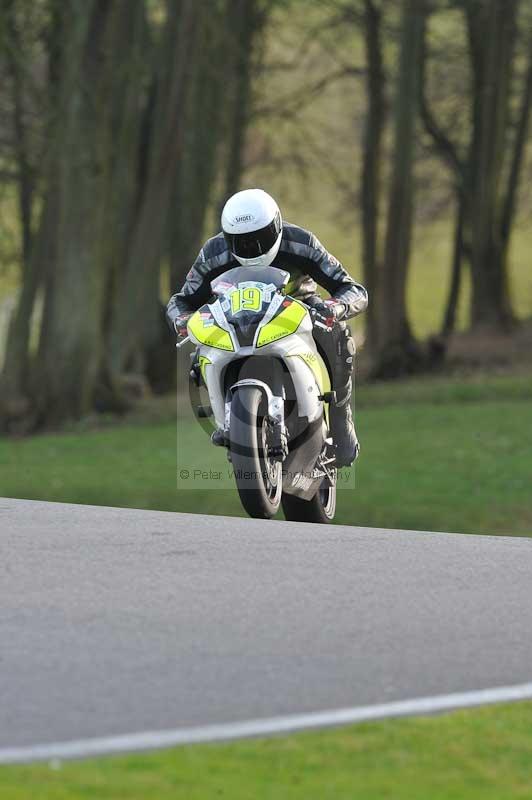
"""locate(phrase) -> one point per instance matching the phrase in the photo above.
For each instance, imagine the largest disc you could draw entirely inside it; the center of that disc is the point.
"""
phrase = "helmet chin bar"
(263, 260)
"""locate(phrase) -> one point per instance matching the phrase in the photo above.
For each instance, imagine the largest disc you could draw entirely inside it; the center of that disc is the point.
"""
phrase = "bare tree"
(135, 322)
(386, 263)
(486, 172)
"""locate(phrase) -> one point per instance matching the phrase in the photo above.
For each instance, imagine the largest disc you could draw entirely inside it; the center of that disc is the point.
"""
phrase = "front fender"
(275, 403)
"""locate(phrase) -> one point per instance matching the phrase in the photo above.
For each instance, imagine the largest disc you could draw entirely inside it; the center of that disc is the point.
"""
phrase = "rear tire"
(258, 478)
(320, 509)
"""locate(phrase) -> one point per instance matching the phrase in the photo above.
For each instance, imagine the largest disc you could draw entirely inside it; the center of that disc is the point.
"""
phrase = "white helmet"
(253, 228)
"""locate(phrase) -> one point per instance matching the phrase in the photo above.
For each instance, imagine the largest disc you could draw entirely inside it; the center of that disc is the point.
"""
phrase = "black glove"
(328, 312)
(180, 325)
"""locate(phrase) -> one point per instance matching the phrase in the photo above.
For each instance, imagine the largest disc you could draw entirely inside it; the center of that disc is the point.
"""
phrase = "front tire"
(258, 477)
(320, 509)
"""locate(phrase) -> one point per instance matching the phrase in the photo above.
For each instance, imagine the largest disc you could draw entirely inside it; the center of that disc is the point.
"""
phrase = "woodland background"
(398, 130)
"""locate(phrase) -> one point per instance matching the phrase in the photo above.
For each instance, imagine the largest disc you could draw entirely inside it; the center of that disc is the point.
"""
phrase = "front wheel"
(258, 476)
(320, 509)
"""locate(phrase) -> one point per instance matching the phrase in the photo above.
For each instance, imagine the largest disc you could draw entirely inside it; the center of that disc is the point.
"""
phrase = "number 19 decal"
(246, 299)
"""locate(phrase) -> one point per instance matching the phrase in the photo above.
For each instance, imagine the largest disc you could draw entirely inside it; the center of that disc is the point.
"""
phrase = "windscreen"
(267, 275)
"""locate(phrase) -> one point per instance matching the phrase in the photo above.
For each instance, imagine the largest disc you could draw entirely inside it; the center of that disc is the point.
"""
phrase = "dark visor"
(254, 243)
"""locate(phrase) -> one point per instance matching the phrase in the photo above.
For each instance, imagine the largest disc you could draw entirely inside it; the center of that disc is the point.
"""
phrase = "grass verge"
(483, 754)
(436, 456)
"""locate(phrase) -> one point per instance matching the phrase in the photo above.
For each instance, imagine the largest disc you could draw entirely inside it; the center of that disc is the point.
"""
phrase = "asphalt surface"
(115, 621)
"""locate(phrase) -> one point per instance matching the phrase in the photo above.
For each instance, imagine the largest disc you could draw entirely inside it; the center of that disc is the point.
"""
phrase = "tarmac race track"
(123, 629)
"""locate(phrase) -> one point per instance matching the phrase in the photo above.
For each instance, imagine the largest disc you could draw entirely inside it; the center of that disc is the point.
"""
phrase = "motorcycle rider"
(254, 234)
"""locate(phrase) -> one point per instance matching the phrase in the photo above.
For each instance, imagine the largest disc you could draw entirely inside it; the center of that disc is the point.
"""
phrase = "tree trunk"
(14, 401)
(136, 317)
(17, 391)
(396, 347)
(205, 121)
(371, 165)
(492, 35)
(245, 20)
(518, 154)
(16, 71)
(131, 105)
(69, 347)
(71, 342)
(449, 319)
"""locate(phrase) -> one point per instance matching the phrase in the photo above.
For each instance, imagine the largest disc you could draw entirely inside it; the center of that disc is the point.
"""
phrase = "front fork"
(278, 446)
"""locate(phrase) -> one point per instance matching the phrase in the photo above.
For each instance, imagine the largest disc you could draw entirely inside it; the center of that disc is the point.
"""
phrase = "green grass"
(482, 754)
(437, 455)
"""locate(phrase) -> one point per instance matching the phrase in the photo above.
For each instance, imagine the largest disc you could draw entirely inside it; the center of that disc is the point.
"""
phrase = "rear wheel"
(258, 476)
(320, 509)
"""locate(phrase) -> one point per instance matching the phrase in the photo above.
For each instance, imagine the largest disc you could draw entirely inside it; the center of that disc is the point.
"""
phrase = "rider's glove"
(180, 325)
(328, 312)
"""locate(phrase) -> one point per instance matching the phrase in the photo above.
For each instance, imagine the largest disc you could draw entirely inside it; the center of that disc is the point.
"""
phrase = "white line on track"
(151, 740)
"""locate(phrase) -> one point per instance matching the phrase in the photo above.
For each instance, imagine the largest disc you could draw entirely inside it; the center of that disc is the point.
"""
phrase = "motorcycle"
(269, 391)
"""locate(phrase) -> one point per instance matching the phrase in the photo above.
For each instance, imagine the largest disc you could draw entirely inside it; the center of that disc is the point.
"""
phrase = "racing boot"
(343, 432)
(218, 438)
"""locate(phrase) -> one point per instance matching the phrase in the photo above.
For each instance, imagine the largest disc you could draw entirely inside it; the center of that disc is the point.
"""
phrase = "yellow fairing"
(211, 335)
(284, 324)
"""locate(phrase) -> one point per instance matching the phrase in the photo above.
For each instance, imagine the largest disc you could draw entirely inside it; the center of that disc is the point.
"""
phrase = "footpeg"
(328, 397)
